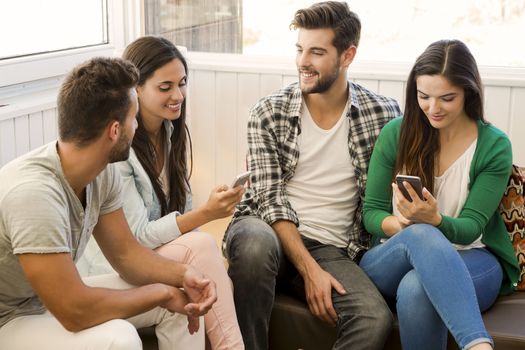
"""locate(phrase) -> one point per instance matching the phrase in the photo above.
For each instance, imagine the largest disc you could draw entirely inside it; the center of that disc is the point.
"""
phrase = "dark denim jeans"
(257, 266)
(434, 287)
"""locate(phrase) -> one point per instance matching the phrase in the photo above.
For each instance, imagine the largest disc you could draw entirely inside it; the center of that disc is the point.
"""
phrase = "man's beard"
(120, 151)
(323, 84)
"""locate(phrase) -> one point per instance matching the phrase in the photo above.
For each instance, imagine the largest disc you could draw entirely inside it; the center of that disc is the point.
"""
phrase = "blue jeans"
(434, 287)
(257, 266)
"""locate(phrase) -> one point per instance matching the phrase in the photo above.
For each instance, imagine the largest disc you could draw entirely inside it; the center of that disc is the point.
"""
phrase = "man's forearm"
(57, 283)
(136, 264)
(293, 246)
(97, 305)
(144, 266)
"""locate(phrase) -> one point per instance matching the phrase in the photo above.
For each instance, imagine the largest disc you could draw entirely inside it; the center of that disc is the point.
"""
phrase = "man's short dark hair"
(334, 15)
(94, 94)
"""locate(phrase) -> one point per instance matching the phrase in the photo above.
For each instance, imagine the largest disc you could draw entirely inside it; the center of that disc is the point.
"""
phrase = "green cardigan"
(489, 173)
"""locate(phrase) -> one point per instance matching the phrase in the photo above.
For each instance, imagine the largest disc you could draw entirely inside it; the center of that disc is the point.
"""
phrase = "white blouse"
(451, 190)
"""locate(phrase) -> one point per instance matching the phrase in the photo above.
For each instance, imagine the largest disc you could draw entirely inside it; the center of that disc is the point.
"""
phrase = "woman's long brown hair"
(148, 54)
(419, 143)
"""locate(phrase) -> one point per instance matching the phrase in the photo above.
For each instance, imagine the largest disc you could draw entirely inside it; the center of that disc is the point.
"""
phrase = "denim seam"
(486, 273)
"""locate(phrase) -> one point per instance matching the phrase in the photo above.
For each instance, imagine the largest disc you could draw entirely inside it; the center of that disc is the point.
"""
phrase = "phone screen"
(414, 181)
(241, 179)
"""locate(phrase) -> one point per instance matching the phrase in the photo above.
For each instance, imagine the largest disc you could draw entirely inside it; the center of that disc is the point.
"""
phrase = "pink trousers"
(200, 250)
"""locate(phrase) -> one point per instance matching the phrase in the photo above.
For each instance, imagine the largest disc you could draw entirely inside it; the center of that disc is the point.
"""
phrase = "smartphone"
(241, 179)
(414, 181)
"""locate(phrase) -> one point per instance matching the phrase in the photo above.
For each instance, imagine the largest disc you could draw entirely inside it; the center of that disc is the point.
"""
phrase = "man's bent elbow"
(75, 320)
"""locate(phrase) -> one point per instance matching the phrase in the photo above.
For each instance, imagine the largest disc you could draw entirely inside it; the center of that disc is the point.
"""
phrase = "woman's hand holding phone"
(222, 201)
(420, 209)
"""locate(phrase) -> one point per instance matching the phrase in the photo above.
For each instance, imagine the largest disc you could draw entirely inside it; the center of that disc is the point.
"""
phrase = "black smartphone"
(414, 181)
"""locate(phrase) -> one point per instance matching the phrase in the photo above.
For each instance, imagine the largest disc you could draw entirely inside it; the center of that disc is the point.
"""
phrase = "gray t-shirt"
(40, 213)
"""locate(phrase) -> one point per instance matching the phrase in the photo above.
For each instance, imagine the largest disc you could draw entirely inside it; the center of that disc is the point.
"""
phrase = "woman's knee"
(202, 243)
(423, 234)
(190, 247)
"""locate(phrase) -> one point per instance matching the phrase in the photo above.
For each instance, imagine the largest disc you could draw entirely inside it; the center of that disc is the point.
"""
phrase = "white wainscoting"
(20, 134)
(221, 92)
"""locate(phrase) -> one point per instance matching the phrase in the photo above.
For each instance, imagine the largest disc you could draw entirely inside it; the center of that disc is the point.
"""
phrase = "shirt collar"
(354, 102)
(296, 102)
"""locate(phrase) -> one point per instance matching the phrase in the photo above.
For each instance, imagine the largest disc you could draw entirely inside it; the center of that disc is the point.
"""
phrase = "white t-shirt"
(323, 190)
(40, 213)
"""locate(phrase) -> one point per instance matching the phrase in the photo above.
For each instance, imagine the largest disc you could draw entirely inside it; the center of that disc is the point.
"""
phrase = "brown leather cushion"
(505, 321)
(292, 326)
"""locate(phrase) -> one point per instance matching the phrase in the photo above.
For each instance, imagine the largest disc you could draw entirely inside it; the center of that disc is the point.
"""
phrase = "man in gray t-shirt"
(52, 199)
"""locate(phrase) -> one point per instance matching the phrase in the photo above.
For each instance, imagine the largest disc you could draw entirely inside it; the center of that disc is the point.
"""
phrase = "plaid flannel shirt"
(273, 129)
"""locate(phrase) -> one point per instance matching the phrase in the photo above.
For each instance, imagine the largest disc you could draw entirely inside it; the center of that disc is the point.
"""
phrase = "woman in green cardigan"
(444, 258)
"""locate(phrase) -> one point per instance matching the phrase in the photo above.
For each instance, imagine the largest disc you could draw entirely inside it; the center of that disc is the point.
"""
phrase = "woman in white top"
(156, 191)
(446, 256)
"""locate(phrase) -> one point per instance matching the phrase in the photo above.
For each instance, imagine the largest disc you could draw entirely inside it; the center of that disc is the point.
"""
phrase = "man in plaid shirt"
(299, 225)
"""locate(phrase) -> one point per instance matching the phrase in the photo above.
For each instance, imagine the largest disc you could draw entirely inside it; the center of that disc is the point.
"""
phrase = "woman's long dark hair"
(418, 141)
(148, 54)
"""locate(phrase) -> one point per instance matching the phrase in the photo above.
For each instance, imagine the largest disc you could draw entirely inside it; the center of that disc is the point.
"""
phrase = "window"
(43, 40)
(199, 25)
(392, 31)
(55, 25)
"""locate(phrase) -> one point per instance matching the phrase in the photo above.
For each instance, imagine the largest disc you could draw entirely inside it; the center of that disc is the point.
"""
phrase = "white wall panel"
(36, 130)
(7, 141)
(289, 79)
(394, 89)
(497, 106)
(22, 135)
(270, 83)
(225, 127)
(517, 125)
(50, 125)
(370, 84)
(202, 94)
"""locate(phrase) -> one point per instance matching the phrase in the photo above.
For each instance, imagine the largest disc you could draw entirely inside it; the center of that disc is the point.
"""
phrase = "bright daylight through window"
(32, 27)
(393, 31)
